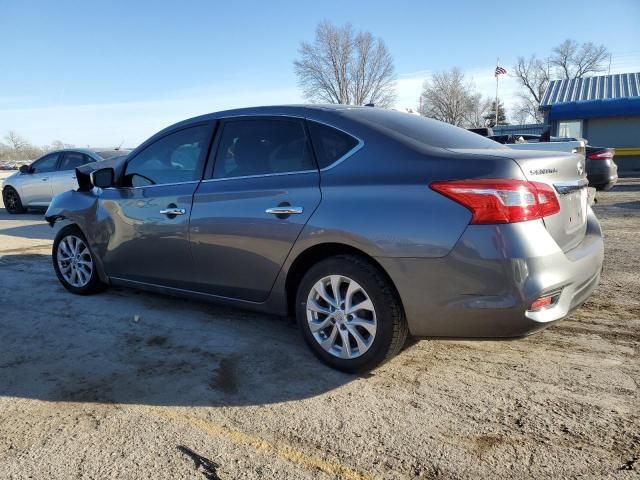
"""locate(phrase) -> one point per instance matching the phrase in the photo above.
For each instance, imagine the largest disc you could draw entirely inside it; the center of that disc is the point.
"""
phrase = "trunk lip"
(564, 188)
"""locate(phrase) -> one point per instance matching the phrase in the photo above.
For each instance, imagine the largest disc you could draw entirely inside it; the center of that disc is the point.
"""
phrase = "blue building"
(605, 110)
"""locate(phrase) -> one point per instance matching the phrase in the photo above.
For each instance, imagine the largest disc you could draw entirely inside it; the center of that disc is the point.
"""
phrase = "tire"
(382, 329)
(74, 262)
(12, 201)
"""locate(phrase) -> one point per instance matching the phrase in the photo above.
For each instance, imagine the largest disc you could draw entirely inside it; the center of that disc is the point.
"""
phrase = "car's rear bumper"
(602, 174)
(486, 285)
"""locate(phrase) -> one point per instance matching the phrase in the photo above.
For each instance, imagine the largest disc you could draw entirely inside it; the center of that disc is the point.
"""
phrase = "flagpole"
(497, 79)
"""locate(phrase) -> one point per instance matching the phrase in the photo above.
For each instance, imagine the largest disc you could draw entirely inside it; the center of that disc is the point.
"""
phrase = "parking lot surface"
(134, 385)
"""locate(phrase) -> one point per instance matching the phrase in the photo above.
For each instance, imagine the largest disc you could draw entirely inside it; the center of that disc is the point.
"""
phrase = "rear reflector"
(601, 155)
(501, 201)
(545, 302)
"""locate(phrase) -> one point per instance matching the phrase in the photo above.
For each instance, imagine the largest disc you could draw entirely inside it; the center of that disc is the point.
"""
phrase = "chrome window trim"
(260, 175)
(152, 185)
(338, 161)
(349, 153)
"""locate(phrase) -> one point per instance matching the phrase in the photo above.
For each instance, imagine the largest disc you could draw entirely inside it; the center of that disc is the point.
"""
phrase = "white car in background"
(36, 184)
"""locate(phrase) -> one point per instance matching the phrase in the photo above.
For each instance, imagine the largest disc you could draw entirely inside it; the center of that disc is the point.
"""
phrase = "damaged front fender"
(71, 205)
(82, 209)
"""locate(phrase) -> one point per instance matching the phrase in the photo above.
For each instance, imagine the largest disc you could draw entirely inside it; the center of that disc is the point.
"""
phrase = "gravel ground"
(133, 385)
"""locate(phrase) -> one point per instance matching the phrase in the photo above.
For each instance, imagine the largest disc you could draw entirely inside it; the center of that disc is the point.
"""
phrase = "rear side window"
(174, 158)
(262, 147)
(72, 160)
(329, 143)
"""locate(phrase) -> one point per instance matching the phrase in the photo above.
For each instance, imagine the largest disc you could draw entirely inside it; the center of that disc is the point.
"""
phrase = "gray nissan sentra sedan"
(366, 224)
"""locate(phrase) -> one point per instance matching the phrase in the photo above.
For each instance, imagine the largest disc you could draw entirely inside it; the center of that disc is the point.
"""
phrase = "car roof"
(311, 111)
(359, 121)
(90, 151)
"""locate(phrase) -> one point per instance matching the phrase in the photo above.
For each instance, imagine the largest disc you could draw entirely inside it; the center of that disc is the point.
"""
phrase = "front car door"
(65, 178)
(150, 212)
(36, 186)
(261, 188)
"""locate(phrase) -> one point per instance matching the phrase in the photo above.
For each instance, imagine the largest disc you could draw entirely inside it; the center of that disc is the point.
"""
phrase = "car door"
(65, 177)
(261, 188)
(149, 241)
(36, 185)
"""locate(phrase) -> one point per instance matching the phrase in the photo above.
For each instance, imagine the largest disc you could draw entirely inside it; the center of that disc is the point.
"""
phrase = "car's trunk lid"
(565, 173)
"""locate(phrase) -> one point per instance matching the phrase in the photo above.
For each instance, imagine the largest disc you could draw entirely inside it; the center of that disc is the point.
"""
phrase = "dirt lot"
(132, 385)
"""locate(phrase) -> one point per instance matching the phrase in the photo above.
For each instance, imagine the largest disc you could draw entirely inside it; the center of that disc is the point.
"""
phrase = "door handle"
(284, 210)
(173, 211)
(44, 179)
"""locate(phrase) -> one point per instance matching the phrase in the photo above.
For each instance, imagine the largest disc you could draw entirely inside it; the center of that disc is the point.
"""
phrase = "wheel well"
(315, 254)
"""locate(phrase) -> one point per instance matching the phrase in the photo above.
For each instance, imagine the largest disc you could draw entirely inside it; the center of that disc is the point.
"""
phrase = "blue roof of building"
(611, 107)
(616, 86)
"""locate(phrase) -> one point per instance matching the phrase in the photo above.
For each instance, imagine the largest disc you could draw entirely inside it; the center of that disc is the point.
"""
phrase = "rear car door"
(262, 187)
(36, 186)
(65, 178)
(150, 212)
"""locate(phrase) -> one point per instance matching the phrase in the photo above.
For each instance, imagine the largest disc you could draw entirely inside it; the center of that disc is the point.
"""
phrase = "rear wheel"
(350, 314)
(74, 262)
(12, 201)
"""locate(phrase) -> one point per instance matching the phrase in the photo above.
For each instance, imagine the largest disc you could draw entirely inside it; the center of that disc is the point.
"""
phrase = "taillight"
(501, 201)
(601, 155)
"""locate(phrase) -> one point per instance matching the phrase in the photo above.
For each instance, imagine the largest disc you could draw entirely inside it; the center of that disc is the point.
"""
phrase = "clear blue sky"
(136, 62)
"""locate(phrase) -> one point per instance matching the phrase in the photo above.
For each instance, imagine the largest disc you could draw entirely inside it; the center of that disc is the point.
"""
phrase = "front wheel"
(12, 201)
(350, 314)
(74, 262)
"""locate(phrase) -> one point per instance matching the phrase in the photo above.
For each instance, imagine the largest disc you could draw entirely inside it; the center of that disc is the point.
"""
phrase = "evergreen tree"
(491, 115)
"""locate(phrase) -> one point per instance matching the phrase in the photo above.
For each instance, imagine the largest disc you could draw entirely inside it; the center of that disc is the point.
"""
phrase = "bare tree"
(59, 145)
(448, 97)
(573, 60)
(521, 113)
(568, 60)
(16, 142)
(533, 75)
(341, 66)
(478, 111)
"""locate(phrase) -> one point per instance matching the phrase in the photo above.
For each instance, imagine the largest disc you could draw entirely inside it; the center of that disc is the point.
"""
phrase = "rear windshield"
(424, 130)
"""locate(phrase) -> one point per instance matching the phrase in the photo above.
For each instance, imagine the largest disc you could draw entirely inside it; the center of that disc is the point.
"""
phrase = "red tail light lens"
(501, 201)
(601, 155)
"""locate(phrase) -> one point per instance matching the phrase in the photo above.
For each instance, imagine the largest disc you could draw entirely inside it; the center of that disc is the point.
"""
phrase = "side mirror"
(25, 168)
(103, 178)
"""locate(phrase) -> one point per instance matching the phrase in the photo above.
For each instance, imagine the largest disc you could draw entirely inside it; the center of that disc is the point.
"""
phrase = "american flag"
(500, 71)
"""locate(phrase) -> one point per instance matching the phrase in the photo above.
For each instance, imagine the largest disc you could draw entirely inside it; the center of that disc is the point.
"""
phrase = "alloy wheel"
(74, 261)
(11, 200)
(341, 316)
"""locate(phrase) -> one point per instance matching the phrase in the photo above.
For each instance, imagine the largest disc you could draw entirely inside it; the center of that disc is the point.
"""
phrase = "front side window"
(174, 158)
(45, 164)
(262, 147)
(570, 128)
(72, 160)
